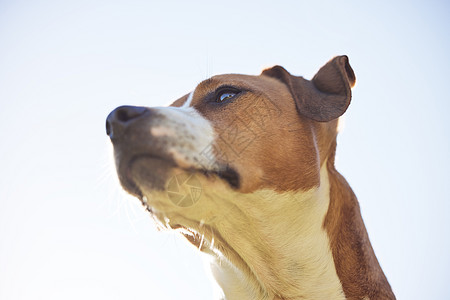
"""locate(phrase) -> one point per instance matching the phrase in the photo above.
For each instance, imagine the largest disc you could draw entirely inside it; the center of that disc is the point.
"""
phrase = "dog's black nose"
(120, 118)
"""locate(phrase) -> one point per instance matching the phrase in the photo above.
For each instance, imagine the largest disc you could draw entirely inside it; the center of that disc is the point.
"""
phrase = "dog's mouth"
(153, 172)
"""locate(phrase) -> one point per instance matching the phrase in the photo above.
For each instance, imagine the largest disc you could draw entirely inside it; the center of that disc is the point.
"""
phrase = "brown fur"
(238, 126)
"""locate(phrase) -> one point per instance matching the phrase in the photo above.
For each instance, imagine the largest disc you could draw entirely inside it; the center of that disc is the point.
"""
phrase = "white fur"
(187, 103)
(292, 234)
(183, 125)
(233, 281)
(163, 131)
(279, 236)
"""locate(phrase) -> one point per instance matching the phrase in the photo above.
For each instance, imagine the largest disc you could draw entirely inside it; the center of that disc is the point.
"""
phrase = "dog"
(243, 167)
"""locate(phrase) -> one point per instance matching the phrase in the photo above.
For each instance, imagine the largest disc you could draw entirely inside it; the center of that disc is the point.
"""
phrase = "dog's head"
(208, 162)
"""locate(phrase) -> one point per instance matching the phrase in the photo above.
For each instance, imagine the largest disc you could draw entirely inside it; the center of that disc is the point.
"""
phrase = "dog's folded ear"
(325, 97)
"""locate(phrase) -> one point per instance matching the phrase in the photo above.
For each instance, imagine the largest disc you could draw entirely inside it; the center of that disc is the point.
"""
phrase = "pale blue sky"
(66, 230)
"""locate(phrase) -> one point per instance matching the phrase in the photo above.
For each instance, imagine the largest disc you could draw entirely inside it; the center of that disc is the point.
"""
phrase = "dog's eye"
(226, 94)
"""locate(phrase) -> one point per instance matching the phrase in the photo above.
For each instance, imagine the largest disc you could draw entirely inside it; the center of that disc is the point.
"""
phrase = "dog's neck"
(313, 246)
(287, 255)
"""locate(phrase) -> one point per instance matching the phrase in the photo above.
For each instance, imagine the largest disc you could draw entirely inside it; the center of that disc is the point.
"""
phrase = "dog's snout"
(121, 117)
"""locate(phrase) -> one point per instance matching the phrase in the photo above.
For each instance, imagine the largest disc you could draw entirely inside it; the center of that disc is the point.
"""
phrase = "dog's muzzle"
(139, 156)
(149, 143)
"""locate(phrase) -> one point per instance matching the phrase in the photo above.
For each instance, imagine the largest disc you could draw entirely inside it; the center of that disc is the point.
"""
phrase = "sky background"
(66, 229)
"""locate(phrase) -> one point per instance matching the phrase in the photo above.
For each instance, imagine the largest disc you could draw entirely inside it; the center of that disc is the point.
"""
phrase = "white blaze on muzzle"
(190, 136)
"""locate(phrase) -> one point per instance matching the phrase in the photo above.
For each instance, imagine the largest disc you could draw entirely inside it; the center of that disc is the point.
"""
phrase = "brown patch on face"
(260, 133)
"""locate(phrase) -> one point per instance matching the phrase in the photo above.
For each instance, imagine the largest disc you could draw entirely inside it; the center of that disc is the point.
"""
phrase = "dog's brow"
(205, 84)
